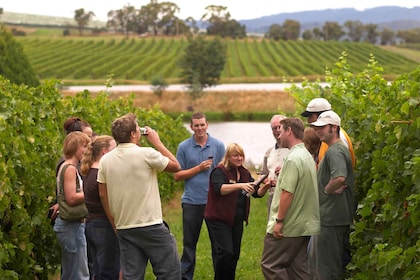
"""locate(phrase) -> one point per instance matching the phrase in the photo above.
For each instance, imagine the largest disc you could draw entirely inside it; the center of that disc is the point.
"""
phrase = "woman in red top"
(226, 210)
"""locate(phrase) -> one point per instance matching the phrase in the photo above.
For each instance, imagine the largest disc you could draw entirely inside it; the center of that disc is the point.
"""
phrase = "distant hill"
(392, 17)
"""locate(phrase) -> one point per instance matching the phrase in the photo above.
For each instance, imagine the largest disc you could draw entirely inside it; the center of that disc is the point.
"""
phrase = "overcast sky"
(238, 9)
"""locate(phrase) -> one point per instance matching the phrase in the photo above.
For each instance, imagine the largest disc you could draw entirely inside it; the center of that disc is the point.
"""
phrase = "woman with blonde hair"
(227, 208)
(70, 232)
(101, 239)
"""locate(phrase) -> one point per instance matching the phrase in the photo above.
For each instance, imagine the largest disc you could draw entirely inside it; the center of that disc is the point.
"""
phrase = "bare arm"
(228, 188)
(188, 173)
(153, 137)
(286, 199)
(263, 189)
(72, 197)
(103, 195)
(335, 184)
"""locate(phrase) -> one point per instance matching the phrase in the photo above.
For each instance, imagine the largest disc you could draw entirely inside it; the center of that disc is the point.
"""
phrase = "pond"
(254, 137)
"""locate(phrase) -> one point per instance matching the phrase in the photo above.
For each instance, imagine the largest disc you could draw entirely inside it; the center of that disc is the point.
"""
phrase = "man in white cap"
(336, 197)
(317, 106)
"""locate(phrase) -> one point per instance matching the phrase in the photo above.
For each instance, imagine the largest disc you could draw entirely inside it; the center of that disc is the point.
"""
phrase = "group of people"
(123, 229)
(313, 202)
(309, 181)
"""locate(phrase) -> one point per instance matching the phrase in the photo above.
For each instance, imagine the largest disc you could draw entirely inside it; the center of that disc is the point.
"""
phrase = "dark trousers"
(192, 220)
(225, 247)
(103, 249)
(330, 251)
(153, 243)
(285, 258)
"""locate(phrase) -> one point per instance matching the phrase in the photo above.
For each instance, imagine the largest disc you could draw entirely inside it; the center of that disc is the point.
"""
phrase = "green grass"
(252, 242)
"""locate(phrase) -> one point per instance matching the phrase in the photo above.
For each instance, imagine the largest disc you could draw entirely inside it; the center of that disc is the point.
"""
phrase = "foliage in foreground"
(383, 120)
(31, 140)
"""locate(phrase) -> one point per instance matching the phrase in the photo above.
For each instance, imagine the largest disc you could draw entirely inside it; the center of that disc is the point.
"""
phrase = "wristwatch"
(279, 220)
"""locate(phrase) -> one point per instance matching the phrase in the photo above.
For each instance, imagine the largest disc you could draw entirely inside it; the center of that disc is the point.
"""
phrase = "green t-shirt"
(336, 209)
(297, 176)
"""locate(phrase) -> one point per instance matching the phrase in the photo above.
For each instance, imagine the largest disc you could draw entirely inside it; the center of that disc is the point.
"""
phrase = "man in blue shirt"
(197, 155)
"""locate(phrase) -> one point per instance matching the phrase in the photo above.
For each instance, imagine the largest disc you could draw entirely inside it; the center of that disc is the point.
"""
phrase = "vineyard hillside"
(89, 60)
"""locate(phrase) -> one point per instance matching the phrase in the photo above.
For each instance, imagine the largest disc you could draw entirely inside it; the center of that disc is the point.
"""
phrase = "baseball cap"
(328, 117)
(316, 105)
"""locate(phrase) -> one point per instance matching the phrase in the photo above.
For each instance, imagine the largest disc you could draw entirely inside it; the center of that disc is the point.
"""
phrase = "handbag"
(67, 212)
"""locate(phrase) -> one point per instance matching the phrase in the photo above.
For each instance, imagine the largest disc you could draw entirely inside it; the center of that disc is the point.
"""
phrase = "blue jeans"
(71, 236)
(192, 220)
(104, 252)
(154, 243)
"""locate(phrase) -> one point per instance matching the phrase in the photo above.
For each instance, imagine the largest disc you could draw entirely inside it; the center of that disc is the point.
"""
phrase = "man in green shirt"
(336, 197)
(294, 212)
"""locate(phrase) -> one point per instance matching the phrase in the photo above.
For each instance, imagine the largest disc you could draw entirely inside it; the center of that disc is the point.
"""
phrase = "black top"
(92, 199)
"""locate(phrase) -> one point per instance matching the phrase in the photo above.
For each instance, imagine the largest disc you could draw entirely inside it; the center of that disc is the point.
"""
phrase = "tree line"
(352, 31)
(161, 19)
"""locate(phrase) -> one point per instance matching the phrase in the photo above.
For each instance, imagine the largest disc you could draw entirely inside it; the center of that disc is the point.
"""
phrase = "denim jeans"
(154, 243)
(192, 220)
(104, 252)
(71, 236)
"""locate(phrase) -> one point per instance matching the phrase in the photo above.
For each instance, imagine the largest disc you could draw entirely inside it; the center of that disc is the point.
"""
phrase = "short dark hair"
(122, 128)
(75, 124)
(296, 125)
(197, 116)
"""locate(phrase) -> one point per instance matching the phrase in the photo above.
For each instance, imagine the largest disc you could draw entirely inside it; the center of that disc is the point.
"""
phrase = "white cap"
(328, 117)
(316, 105)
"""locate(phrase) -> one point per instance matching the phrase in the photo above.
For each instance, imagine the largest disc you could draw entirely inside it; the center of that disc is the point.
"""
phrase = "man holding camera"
(129, 192)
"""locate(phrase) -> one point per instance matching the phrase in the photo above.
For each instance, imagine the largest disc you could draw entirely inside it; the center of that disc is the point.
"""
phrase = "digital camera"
(143, 131)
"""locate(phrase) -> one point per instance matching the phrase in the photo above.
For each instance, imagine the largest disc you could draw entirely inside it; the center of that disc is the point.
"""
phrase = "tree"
(192, 23)
(355, 30)
(274, 32)
(387, 36)
(232, 29)
(307, 35)
(220, 23)
(202, 62)
(166, 16)
(82, 18)
(158, 85)
(410, 36)
(371, 33)
(332, 31)
(290, 30)
(160, 17)
(177, 27)
(124, 20)
(318, 35)
(14, 64)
